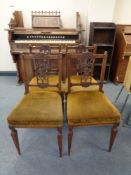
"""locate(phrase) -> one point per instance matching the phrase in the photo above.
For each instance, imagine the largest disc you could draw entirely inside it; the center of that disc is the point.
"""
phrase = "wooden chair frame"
(100, 83)
(14, 134)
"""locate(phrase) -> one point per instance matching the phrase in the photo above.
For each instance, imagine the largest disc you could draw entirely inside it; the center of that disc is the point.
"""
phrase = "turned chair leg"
(70, 134)
(113, 136)
(59, 138)
(15, 139)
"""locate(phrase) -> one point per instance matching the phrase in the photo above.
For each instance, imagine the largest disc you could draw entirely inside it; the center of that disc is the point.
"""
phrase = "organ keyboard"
(57, 37)
(46, 29)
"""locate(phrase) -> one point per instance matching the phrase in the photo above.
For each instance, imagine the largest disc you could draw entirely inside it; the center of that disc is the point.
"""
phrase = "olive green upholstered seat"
(76, 80)
(52, 80)
(37, 110)
(90, 108)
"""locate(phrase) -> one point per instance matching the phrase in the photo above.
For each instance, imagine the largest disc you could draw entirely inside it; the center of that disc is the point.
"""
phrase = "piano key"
(46, 41)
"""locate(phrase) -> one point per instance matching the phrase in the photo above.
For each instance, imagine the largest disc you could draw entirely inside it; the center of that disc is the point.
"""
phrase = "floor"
(39, 146)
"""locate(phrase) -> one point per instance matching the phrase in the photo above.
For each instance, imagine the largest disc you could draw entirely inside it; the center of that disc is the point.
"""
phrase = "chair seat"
(52, 80)
(37, 110)
(90, 108)
(76, 79)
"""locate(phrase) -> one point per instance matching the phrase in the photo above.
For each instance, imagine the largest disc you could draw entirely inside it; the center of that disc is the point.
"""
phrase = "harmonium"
(46, 30)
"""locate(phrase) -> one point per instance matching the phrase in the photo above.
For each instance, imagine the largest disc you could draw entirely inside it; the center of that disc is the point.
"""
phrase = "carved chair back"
(42, 66)
(85, 67)
(47, 49)
(80, 48)
(76, 50)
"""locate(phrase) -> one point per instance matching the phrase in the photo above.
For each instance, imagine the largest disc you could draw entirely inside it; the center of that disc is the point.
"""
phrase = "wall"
(101, 10)
(90, 10)
(122, 12)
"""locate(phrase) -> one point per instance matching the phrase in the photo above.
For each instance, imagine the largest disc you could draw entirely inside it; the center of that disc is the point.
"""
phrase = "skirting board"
(8, 73)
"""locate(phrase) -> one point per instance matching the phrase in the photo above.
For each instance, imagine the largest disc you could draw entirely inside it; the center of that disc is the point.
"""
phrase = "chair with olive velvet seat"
(39, 109)
(87, 108)
(74, 67)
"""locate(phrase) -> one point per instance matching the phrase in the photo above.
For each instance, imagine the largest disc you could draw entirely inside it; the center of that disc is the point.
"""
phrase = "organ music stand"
(50, 19)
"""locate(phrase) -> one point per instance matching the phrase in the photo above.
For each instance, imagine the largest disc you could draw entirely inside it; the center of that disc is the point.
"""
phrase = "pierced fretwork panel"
(41, 68)
(86, 63)
(81, 49)
(45, 49)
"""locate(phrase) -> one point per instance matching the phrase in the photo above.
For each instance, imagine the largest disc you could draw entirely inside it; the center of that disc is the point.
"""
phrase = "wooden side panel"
(18, 18)
(122, 51)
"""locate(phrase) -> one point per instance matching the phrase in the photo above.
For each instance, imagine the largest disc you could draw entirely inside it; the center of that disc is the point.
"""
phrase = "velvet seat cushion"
(76, 79)
(37, 110)
(52, 80)
(90, 108)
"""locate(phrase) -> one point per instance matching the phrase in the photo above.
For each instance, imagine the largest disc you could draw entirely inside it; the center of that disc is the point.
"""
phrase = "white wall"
(101, 10)
(122, 12)
(6, 63)
(90, 10)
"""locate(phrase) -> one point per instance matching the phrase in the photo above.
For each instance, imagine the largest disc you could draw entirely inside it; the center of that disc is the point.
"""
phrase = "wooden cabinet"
(122, 52)
(103, 35)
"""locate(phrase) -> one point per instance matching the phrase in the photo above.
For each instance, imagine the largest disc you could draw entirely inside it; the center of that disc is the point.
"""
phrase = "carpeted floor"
(39, 156)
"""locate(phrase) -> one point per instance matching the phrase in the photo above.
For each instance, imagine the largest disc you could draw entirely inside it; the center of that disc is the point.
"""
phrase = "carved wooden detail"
(87, 61)
(17, 20)
(82, 64)
(50, 19)
(41, 69)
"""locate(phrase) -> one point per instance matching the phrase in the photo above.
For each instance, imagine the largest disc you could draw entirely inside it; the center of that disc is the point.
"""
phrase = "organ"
(46, 29)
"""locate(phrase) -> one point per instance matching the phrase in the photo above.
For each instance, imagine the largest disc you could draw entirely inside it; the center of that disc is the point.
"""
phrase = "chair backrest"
(77, 50)
(47, 49)
(127, 79)
(80, 48)
(41, 67)
(85, 66)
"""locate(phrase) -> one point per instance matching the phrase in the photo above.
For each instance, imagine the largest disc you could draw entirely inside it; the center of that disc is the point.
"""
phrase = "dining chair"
(39, 109)
(89, 107)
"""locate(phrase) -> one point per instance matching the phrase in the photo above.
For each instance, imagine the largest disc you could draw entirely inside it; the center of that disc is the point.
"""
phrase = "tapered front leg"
(113, 136)
(70, 134)
(59, 138)
(15, 139)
